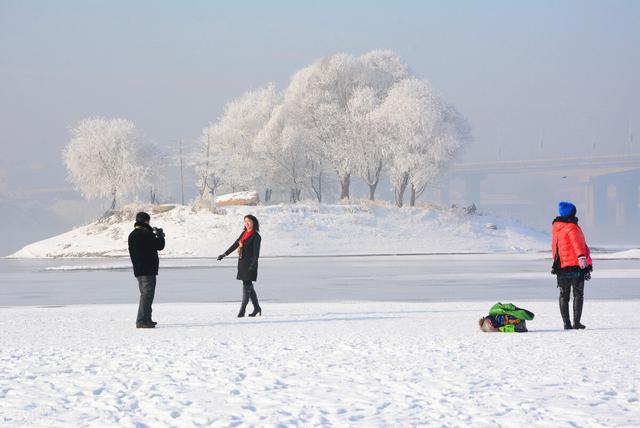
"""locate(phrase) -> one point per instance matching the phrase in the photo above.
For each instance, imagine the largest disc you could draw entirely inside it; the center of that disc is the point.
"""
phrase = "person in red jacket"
(572, 262)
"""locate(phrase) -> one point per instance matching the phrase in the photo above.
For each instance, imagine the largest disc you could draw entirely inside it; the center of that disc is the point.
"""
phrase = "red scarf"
(246, 235)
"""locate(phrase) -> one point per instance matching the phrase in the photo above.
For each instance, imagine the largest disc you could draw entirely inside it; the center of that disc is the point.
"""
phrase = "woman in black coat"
(248, 247)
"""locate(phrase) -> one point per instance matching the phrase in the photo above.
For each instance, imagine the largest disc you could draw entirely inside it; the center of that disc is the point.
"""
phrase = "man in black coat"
(144, 244)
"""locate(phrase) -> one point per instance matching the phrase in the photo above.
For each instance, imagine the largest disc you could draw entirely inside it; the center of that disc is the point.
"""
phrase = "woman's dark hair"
(256, 224)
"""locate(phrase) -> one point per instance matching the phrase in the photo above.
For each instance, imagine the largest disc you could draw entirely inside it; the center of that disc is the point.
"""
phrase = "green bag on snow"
(511, 309)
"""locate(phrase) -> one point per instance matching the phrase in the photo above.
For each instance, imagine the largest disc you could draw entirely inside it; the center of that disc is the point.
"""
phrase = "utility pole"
(181, 175)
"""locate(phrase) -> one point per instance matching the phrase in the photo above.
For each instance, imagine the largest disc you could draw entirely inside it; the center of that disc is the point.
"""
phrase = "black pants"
(248, 292)
(147, 285)
(565, 285)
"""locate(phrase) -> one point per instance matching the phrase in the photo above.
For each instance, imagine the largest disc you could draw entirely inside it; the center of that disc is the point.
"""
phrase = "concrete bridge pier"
(470, 194)
(621, 210)
(597, 201)
(627, 212)
(472, 188)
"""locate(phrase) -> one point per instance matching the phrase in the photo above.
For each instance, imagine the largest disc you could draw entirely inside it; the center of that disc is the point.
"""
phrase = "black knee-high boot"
(564, 305)
(246, 295)
(578, 299)
(257, 310)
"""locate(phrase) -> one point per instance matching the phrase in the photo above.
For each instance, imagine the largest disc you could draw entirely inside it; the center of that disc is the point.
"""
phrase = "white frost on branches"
(102, 158)
(227, 155)
(365, 116)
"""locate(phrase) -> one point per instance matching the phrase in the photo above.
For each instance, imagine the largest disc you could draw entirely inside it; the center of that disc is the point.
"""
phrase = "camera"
(158, 231)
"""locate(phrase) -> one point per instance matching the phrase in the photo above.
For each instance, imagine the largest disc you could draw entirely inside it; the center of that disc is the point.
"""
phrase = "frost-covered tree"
(208, 162)
(227, 147)
(370, 146)
(102, 158)
(154, 162)
(425, 134)
(282, 146)
(335, 101)
(383, 69)
(360, 116)
(451, 133)
(317, 99)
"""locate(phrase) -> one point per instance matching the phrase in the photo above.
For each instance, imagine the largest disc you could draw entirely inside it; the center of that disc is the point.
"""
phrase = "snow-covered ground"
(317, 364)
(627, 254)
(302, 229)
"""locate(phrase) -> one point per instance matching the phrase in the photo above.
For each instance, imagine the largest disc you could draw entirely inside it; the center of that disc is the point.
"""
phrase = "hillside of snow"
(300, 229)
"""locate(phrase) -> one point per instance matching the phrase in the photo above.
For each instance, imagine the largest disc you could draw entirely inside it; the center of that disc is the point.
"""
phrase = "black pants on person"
(147, 285)
(248, 293)
(565, 285)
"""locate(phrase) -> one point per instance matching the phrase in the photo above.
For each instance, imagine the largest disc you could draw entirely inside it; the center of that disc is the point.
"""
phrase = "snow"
(317, 364)
(302, 229)
(251, 198)
(628, 254)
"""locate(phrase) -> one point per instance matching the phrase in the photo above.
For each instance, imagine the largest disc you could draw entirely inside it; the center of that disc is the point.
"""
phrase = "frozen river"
(343, 341)
(487, 277)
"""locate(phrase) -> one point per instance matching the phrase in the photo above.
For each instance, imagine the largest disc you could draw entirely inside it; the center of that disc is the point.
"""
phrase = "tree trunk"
(152, 196)
(345, 183)
(113, 201)
(413, 196)
(267, 195)
(373, 180)
(399, 193)
(295, 195)
(317, 187)
(372, 191)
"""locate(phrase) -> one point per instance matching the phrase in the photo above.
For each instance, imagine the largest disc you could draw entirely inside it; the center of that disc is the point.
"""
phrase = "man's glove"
(220, 257)
(158, 231)
(587, 276)
(582, 262)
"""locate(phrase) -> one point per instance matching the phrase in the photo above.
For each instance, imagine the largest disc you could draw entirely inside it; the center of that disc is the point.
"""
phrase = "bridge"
(600, 176)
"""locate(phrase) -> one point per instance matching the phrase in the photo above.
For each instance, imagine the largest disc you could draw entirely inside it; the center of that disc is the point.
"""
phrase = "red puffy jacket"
(567, 239)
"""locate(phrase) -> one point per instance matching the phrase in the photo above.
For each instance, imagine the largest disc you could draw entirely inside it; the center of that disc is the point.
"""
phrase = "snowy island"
(299, 230)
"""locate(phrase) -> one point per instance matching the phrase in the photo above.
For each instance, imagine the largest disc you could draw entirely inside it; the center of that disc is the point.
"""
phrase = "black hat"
(142, 217)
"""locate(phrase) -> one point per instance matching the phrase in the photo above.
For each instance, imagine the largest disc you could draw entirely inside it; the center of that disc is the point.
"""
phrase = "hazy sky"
(566, 73)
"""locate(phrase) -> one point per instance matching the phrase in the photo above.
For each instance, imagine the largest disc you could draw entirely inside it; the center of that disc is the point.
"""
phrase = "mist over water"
(532, 83)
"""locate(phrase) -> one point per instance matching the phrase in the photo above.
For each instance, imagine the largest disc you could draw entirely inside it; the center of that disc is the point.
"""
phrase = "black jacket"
(248, 263)
(143, 249)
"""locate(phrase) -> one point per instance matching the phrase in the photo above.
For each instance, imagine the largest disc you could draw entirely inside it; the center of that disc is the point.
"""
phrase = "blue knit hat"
(566, 209)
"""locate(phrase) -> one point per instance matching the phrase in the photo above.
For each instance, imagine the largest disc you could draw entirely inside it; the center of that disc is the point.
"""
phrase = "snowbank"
(628, 254)
(238, 198)
(317, 364)
(302, 229)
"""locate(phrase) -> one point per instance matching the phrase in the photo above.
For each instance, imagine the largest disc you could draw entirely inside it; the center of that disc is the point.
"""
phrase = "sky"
(535, 79)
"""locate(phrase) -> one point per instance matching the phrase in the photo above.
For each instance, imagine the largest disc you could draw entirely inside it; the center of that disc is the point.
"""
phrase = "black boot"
(577, 313)
(564, 307)
(246, 294)
(257, 310)
(578, 298)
